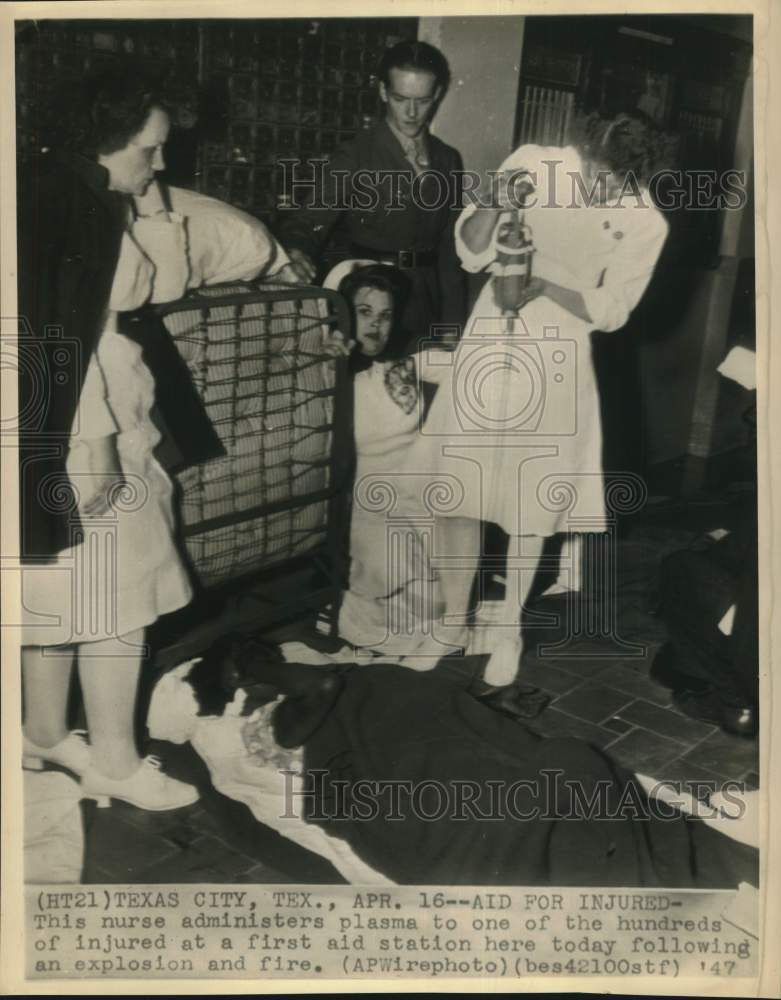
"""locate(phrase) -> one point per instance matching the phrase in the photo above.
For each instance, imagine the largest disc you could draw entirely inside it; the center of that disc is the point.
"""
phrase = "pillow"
(224, 243)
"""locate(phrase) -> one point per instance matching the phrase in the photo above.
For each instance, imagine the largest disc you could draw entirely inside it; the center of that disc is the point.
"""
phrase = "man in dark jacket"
(399, 188)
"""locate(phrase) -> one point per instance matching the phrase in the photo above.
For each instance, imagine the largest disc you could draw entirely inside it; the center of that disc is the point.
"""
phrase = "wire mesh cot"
(277, 402)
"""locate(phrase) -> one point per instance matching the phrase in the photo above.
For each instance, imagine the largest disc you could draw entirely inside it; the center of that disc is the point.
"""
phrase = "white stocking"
(569, 578)
(505, 659)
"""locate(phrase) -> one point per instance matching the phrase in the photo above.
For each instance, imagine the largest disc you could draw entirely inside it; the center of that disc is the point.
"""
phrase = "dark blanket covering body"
(391, 724)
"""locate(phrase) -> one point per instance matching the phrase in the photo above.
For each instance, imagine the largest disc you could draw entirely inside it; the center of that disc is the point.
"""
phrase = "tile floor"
(600, 692)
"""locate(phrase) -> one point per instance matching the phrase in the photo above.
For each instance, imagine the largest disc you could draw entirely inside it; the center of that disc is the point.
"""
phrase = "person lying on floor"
(480, 798)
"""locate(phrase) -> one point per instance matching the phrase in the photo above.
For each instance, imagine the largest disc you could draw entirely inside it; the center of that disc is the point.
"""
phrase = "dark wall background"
(662, 398)
(253, 91)
(256, 91)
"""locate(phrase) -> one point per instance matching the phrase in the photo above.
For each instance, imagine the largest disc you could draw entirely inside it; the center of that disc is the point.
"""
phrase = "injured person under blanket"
(417, 781)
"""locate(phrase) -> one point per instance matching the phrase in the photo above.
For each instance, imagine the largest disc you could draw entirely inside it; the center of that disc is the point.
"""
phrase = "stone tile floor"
(600, 690)
(621, 710)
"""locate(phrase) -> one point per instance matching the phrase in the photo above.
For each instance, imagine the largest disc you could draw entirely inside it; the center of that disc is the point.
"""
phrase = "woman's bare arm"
(478, 229)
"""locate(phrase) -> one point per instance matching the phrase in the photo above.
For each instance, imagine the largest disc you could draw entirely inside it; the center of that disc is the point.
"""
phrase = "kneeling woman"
(392, 590)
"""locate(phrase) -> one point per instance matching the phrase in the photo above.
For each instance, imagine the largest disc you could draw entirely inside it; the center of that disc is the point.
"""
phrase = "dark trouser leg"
(422, 308)
(744, 651)
(696, 594)
(721, 670)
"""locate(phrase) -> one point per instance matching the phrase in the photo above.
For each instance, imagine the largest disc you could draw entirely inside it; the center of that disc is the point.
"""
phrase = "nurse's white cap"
(340, 271)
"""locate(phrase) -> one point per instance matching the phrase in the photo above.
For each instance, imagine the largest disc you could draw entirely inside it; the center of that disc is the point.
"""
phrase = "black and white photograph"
(383, 587)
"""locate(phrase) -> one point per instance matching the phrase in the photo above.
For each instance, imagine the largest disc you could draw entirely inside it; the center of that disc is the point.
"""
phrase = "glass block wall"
(52, 57)
(261, 89)
(288, 88)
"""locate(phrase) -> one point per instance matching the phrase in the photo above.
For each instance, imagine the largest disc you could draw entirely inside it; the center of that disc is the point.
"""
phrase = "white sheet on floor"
(274, 797)
(299, 652)
(53, 831)
(736, 815)
(742, 911)
(741, 366)
(727, 622)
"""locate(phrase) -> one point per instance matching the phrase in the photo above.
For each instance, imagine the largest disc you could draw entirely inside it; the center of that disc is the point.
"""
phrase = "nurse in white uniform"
(518, 422)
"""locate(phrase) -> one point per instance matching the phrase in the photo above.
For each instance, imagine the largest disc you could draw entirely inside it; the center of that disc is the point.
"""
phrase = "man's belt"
(405, 259)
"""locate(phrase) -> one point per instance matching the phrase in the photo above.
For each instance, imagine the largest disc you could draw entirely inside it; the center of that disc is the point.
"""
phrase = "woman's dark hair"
(388, 279)
(110, 109)
(626, 143)
(417, 56)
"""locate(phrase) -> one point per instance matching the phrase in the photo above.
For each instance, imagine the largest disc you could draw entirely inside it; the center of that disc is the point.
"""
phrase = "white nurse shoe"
(147, 788)
(73, 753)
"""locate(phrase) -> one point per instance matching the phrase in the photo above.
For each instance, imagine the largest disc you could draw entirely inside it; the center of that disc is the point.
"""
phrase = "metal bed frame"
(279, 498)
